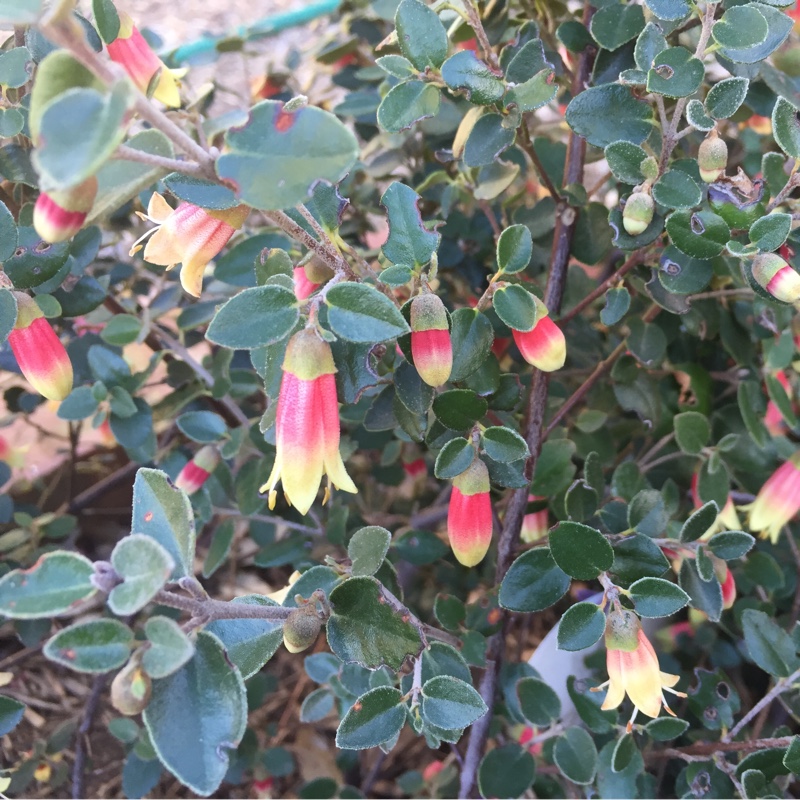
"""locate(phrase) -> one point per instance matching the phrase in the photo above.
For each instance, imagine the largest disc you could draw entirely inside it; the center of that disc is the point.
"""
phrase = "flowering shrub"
(452, 405)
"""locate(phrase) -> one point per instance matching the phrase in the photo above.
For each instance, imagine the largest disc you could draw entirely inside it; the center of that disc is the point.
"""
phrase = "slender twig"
(781, 686)
(476, 24)
(295, 526)
(644, 468)
(784, 193)
(703, 750)
(535, 434)
(210, 609)
(125, 153)
(526, 143)
(329, 255)
(79, 765)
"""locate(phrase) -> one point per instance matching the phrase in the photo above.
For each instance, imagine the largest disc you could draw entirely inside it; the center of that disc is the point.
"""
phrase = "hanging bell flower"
(40, 355)
(544, 347)
(187, 235)
(469, 515)
(777, 277)
(60, 214)
(198, 470)
(777, 501)
(431, 347)
(132, 52)
(307, 424)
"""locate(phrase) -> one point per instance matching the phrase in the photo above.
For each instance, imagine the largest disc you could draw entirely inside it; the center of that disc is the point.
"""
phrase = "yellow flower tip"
(327, 495)
(158, 209)
(273, 497)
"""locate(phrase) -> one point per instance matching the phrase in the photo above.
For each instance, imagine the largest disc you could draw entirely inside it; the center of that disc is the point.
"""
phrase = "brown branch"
(208, 609)
(526, 143)
(79, 765)
(703, 750)
(534, 432)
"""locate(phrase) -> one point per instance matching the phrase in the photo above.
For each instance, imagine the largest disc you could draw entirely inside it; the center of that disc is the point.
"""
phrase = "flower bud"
(777, 277)
(303, 287)
(60, 214)
(197, 471)
(430, 339)
(638, 213)
(535, 525)
(317, 271)
(40, 355)
(469, 515)
(712, 157)
(301, 628)
(130, 689)
(544, 347)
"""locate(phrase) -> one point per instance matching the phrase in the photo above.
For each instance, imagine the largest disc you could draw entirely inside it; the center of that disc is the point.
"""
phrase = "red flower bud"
(777, 277)
(303, 287)
(197, 471)
(430, 339)
(60, 214)
(544, 347)
(40, 355)
(469, 516)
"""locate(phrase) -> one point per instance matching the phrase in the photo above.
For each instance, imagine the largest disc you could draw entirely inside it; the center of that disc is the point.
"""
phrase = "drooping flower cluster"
(307, 424)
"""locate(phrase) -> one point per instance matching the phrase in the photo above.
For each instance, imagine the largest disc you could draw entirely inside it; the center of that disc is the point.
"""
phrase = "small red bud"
(430, 339)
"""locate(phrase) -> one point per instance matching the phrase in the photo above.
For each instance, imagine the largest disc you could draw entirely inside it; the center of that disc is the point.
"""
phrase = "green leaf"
(53, 585)
(533, 93)
(368, 548)
(409, 242)
(725, 97)
(121, 329)
(78, 132)
(581, 626)
(8, 314)
(118, 180)
(786, 127)
(700, 234)
(317, 705)
(202, 426)
(11, 712)
(615, 24)
(396, 66)
(250, 643)
(459, 409)
(471, 336)
(665, 729)
(676, 189)
(516, 307)
(533, 582)
(504, 444)
(699, 522)
(19, 12)
(554, 468)
(408, 103)
(646, 341)
(144, 566)
(34, 261)
(420, 34)
(730, 545)
(697, 117)
(453, 458)
(16, 66)
(466, 71)
(200, 192)
(779, 25)
(451, 703)
(624, 160)
(650, 43)
(274, 160)
(741, 27)
(98, 645)
(752, 408)
(705, 595)
(271, 312)
(538, 702)
(769, 645)
(609, 113)
(360, 313)
(366, 629)
(675, 73)
(618, 301)
(580, 551)
(375, 718)
(196, 715)
(669, 10)
(106, 19)
(411, 390)
(575, 755)
(791, 760)
(655, 597)
(514, 249)
(219, 548)
(164, 513)
(770, 232)
(506, 771)
(692, 431)
(170, 648)
(646, 513)
(488, 138)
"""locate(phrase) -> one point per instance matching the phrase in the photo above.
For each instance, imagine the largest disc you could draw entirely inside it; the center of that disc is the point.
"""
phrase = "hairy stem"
(125, 153)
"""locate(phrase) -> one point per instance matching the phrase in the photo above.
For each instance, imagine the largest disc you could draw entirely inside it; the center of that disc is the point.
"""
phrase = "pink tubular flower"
(41, 357)
(536, 524)
(59, 215)
(131, 51)
(777, 501)
(187, 235)
(773, 419)
(430, 339)
(544, 347)
(777, 277)
(469, 515)
(197, 471)
(633, 668)
(303, 287)
(307, 425)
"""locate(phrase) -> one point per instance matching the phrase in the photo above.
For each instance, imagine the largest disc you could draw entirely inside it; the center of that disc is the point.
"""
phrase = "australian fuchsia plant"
(414, 418)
